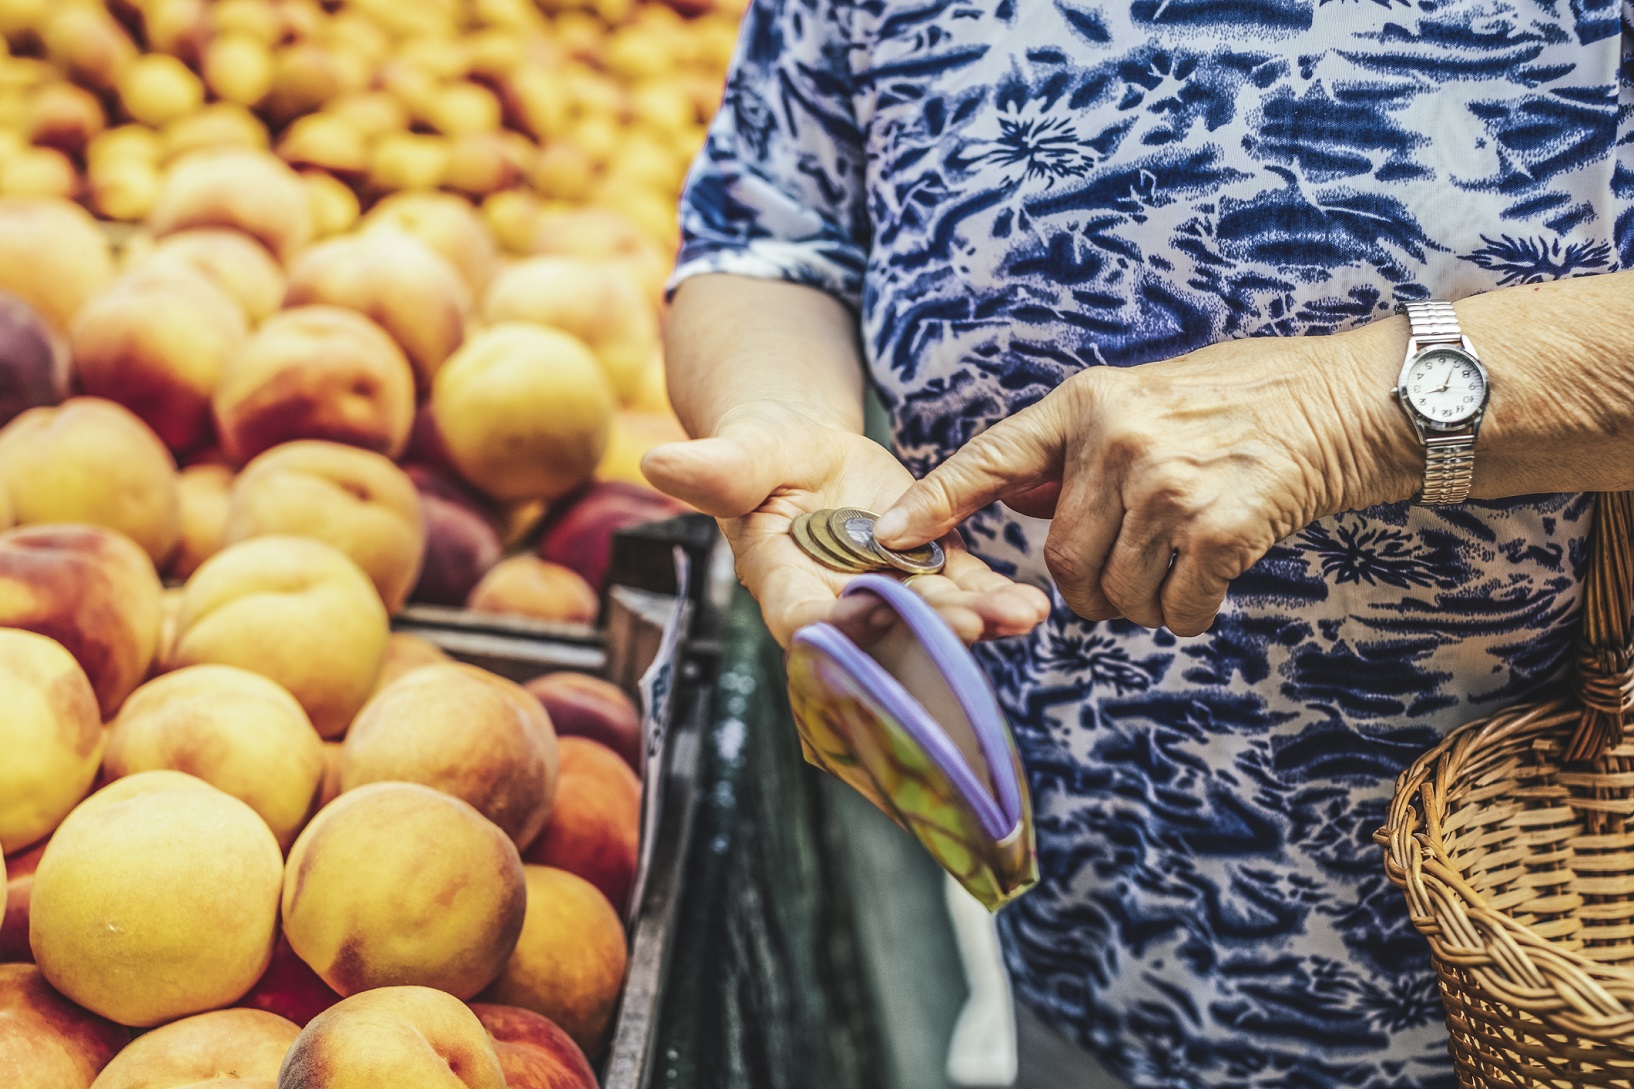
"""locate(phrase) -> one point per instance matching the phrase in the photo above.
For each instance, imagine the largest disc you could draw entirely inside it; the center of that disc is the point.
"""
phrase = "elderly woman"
(1135, 268)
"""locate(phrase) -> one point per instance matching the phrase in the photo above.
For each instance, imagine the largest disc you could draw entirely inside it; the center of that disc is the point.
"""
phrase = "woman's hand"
(766, 464)
(1175, 477)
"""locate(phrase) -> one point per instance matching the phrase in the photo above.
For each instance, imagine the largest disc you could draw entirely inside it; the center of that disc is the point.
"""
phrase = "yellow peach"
(51, 734)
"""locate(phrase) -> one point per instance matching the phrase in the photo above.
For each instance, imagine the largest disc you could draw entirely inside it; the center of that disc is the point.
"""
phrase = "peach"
(203, 491)
(47, 1042)
(93, 591)
(305, 75)
(92, 461)
(64, 117)
(597, 301)
(524, 411)
(51, 734)
(315, 372)
(461, 543)
(52, 255)
(374, 112)
(289, 988)
(217, 1048)
(238, 69)
(334, 206)
(85, 43)
(465, 732)
(480, 163)
(253, 191)
(123, 189)
(355, 500)
(399, 883)
(512, 217)
(394, 1036)
(38, 172)
(579, 532)
(235, 262)
(234, 729)
(326, 142)
(292, 609)
(533, 1050)
(406, 652)
(219, 126)
(157, 898)
(156, 341)
(580, 705)
(394, 278)
(569, 961)
(157, 88)
(447, 224)
(408, 160)
(595, 827)
(531, 587)
(34, 368)
(19, 874)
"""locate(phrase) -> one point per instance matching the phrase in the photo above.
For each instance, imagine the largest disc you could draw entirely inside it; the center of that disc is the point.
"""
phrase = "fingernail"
(891, 525)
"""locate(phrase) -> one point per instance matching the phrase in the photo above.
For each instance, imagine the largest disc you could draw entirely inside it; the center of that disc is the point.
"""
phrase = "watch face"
(1445, 385)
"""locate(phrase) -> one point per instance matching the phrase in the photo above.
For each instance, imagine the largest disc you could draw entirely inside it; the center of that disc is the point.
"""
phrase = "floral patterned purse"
(912, 724)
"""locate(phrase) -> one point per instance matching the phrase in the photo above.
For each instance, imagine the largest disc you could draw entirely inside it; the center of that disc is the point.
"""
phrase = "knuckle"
(1065, 562)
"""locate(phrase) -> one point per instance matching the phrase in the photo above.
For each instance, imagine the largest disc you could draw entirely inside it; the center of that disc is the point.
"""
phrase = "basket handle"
(1604, 677)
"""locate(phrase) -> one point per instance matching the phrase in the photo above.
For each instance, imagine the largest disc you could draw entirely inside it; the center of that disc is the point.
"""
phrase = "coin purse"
(912, 724)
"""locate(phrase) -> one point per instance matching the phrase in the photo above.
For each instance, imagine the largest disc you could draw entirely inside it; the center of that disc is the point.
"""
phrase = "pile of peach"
(600, 101)
(299, 843)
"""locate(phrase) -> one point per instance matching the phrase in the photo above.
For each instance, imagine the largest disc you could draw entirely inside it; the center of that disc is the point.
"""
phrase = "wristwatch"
(1444, 390)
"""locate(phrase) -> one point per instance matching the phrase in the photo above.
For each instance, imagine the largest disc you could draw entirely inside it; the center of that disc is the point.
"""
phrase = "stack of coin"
(844, 540)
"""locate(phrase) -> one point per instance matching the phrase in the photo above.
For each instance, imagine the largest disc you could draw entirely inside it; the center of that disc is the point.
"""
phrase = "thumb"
(725, 476)
(1015, 454)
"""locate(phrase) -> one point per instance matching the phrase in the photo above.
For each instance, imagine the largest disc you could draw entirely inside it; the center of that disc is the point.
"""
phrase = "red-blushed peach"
(399, 883)
(92, 461)
(579, 531)
(463, 731)
(580, 705)
(156, 341)
(397, 1036)
(315, 372)
(47, 1042)
(523, 411)
(528, 586)
(395, 279)
(533, 1050)
(51, 734)
(406, 652)
(446, 223)
(289, 988)
(595, 826)
(597, 301)
(355, 500)
(19, 891)
(203, 493)
(34, 359)
(234, 729)
(292, 609)
(93, 591)
(64, 117)
(461, 542)
(237, 263)
(157, 898)
(52, 255)
(240, 1049)
(569, 961)
(253, 191)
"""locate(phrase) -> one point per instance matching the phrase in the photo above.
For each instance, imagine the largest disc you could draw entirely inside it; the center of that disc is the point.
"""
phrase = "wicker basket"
(1514, 843)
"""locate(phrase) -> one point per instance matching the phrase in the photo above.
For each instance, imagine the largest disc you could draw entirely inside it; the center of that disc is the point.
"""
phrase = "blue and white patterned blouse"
(1009, 190)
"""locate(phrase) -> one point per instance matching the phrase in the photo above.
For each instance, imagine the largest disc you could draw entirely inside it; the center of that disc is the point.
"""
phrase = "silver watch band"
(1449, 460)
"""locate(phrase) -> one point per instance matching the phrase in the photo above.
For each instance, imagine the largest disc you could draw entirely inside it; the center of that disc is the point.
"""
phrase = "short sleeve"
(778, 190)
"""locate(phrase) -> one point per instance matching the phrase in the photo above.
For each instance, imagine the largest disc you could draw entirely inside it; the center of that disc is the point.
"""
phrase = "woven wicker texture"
(1513, 841)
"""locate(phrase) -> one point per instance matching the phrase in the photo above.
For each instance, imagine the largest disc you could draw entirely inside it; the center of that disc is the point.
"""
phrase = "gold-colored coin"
(800, 530)
(820, 529)
(927, 559)
(853, 530)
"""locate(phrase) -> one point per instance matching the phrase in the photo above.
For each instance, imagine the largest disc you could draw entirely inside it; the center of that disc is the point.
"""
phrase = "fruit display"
(310, 312)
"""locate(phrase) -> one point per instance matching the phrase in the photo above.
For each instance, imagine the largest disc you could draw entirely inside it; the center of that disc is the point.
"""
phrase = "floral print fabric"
(1009, 191)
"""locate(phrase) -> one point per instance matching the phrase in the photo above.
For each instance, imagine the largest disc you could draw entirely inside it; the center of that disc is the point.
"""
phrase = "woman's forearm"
(734, 340)
(1561, 359)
